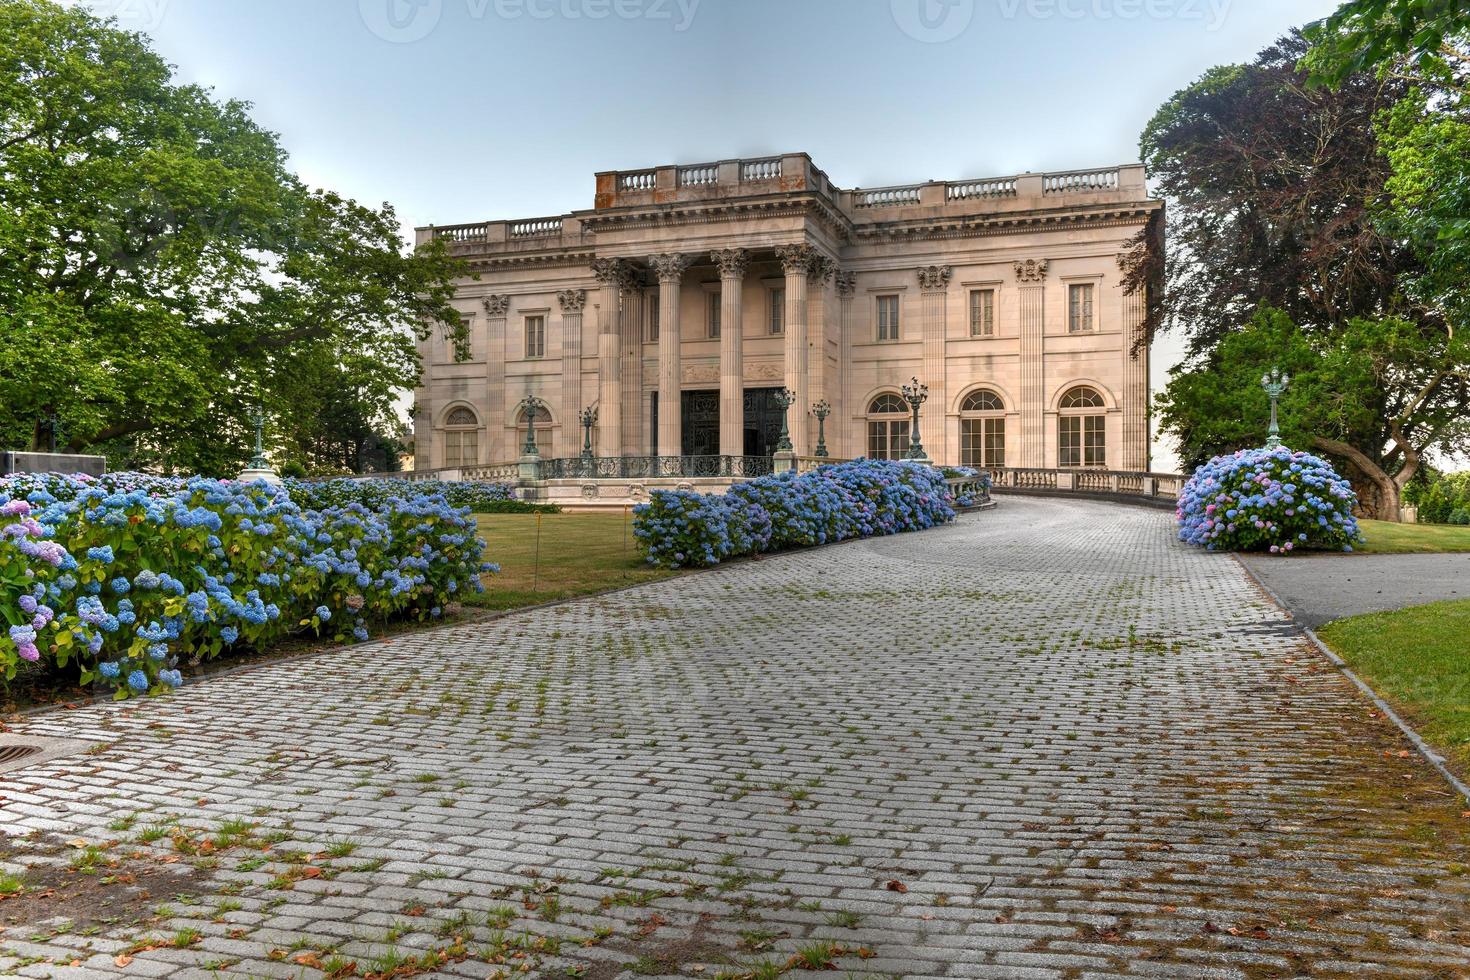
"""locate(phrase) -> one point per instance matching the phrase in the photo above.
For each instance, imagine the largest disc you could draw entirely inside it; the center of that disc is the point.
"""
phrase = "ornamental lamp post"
(915, 394)
(821, 410)
(260, 468)
(784, 397)
(1275, 382)
(258, 461)
(531, 406)
(588, 418)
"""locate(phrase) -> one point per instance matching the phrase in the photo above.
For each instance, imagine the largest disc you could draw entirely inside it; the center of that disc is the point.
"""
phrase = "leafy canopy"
(161, 268)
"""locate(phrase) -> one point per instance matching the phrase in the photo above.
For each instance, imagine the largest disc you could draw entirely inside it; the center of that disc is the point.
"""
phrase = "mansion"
(681, 304)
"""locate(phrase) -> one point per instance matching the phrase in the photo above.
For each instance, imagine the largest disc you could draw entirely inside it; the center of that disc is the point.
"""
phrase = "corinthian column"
(611, 275)
(732, 263)
(1031, 285)
(796, 261)
(933, 283)
(669, 268)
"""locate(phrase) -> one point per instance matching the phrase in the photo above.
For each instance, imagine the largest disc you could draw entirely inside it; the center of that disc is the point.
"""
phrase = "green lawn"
(579, 554)
(1385, 538)
(1418, 659)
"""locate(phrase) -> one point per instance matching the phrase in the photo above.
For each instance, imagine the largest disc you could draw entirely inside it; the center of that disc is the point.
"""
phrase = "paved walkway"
(1320, 588)
(1045, 742)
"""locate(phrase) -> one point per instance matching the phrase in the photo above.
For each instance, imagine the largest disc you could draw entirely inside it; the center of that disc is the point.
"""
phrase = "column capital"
(572, 300)
(1031, 270)
(613, 272)
(846, 282)
(732, 262)
(496, 304)
(934, 277)
(669, 266)
(796, 258)
(822, 270)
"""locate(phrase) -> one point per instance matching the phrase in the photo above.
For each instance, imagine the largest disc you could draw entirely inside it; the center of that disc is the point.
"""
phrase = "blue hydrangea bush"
(122, 584)
(1271, 500)
(832, 503)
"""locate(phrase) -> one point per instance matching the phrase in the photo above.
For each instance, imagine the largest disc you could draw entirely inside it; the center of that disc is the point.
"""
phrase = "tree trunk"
(1385, 505)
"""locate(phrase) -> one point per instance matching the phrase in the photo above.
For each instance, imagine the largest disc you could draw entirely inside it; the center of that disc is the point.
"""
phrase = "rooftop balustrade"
(790, 173)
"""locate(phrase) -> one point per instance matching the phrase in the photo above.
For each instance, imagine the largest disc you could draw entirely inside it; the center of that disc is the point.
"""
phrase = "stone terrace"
(1044, 742)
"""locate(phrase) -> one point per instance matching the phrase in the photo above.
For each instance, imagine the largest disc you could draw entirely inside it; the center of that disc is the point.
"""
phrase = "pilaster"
(933, 289)
(1135, 455)
(496, 449)
(1031, 290)
(571, 302)
(842, 412)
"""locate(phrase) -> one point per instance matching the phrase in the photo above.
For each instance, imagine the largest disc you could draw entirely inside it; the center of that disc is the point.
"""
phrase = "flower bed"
(120, 579)
(831, 503)
(1268, 500)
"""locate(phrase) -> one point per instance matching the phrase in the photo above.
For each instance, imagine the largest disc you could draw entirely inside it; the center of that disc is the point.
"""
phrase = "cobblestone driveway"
(1043, 742)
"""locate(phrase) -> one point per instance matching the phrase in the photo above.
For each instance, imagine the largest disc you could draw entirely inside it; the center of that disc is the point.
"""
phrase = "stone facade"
(1003, 295)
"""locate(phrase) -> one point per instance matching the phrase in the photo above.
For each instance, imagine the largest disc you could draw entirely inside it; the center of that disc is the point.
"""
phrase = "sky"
(468, 110)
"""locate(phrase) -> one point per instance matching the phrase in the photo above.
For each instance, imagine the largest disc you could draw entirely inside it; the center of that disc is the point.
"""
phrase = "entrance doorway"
(762, 421)
(699, 412)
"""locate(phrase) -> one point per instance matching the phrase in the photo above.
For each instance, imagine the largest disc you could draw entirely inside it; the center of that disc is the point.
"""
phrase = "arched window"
(982, 429)
(461, 437)
(1082, 428)
(888, 427)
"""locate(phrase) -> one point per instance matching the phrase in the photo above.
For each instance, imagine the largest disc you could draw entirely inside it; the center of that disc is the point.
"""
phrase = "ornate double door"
(700, 422)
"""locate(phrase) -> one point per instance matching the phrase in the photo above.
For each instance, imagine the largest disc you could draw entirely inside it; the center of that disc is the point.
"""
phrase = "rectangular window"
(535, 336)
(983, 442)
(652, 332)
(1082, 440)
(461, 447)
(982, 313)
(713, 319)
(778, 310)
(887, 317)
(888, 440)
(1079, 308)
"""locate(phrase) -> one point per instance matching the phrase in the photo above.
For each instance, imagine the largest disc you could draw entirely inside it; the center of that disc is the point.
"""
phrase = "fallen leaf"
(122, 960)
(894, 885)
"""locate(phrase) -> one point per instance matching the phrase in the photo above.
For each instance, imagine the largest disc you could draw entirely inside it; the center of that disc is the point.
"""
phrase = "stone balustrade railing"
(888, 197)
(1080, 181)
(1162, 486)
(768, 168)
(535, 227)
(966, 190)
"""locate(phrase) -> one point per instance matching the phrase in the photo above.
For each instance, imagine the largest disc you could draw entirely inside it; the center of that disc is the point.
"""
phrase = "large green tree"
(1271, 187)
(161, 269)
(1313, 226)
